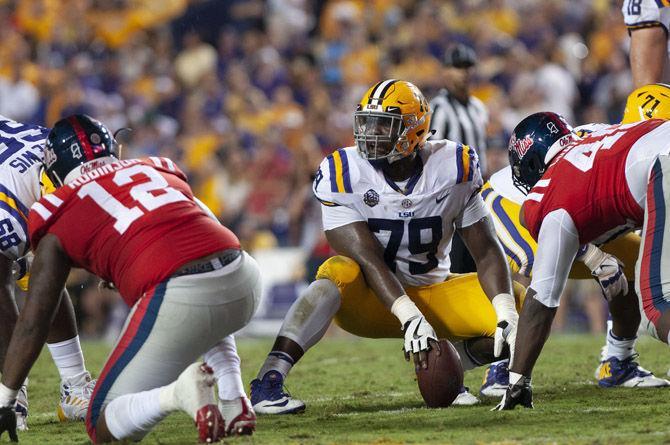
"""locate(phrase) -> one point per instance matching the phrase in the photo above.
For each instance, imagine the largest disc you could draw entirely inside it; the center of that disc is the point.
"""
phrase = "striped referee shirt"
(460, 123)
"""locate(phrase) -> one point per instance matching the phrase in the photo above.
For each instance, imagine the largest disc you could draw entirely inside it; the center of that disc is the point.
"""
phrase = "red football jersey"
(588, 180)
(132, 222)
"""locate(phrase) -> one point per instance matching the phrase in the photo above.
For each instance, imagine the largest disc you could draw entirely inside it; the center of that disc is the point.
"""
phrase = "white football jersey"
(646, 13)
(21, 155)
(414, 221)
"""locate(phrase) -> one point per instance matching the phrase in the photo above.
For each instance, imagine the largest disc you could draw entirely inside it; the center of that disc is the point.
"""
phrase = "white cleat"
(239, 416)
(22, 409)
(193, 393)
(75, 394)
(465, 398)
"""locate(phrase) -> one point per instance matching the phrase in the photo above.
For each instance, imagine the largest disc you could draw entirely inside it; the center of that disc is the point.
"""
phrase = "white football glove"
(607, 270)
(508, 319)
(417, 333)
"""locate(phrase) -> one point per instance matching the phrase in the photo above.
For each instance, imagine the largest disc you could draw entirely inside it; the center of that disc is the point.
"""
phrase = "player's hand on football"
(520, 393)
(508, 319)
(8, 423)
(420, 338)
(607, 270)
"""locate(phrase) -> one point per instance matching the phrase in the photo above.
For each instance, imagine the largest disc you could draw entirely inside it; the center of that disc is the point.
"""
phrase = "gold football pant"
(456, 308)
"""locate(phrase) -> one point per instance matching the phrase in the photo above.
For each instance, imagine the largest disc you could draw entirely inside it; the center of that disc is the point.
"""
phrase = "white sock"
(68, 357)
(514, 378)
(132, 416)
(276, 361)
(618, 347)
(225, 363)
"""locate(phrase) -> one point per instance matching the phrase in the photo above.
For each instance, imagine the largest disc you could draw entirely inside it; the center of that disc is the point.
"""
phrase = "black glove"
(8, 423)
(521, 393)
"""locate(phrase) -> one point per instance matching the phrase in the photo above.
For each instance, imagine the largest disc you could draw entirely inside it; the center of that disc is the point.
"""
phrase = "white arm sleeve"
(338, 216)
(557, 246)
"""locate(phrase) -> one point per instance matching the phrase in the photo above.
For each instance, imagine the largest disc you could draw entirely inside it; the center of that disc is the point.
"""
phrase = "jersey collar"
(413, 180)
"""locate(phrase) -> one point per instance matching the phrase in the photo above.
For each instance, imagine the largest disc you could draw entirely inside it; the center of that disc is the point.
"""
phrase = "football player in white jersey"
(618, 366)
(390, 207)
(21, 158)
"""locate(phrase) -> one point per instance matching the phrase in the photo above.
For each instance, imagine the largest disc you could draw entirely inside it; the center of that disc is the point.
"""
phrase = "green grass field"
(362, 391)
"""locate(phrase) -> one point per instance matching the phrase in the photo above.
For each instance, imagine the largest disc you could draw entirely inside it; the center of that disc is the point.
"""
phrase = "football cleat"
(193, 393)
(496, 380)
(239, 416)
(465, 398)
(75, 393)
(269, 397)
(22, 409)
(627, 373)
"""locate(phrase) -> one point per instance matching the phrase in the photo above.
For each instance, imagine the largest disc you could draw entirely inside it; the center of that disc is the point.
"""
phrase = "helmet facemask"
(382, 135)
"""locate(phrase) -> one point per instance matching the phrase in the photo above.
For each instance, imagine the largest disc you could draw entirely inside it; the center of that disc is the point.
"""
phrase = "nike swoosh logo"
(439, 200)
(282, 403)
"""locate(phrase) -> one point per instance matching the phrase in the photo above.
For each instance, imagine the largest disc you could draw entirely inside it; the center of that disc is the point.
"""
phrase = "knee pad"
(339, 269)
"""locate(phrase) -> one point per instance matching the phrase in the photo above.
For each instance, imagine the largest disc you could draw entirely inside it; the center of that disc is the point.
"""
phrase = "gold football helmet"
(648, 102)
(391, 121)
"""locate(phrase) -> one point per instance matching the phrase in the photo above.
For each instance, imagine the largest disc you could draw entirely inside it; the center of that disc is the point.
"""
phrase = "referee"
(460, 117)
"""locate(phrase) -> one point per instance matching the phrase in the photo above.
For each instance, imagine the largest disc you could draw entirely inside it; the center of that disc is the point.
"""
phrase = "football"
(441, 382)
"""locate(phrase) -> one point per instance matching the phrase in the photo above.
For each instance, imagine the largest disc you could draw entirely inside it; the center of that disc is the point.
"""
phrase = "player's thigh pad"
(653, 266)
(174, 324)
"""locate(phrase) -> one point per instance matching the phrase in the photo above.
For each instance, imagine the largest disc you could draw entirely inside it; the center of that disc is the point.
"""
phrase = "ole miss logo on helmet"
(521, 146)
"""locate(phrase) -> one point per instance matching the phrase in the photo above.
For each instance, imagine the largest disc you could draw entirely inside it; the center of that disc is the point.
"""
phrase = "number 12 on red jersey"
(141, 193)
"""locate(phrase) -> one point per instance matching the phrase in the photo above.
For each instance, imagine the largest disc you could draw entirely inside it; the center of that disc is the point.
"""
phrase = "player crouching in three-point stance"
(390, 207)
(136, 223)
(618, 362)
(590, 190)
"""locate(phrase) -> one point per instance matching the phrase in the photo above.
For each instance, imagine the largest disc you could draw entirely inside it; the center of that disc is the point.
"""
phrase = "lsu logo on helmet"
(391, 121)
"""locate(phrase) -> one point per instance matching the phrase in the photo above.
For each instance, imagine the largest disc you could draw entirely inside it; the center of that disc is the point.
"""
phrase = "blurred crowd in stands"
(249, 95)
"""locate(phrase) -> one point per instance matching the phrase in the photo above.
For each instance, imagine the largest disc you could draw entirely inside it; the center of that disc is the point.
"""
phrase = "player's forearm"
(533, 329)
(8, 316)
(648, 51)
(496, 277)
(483, 244)
(381, 280)
(27, 341)
(49, 272)
(356, 242)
